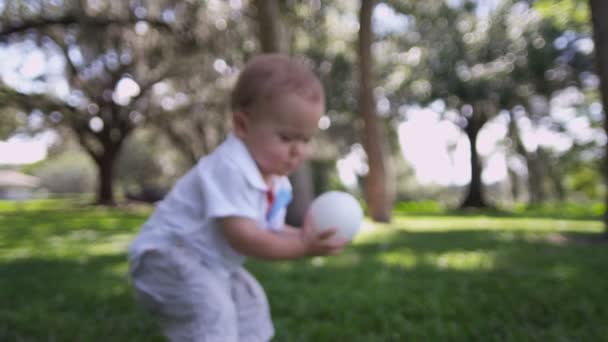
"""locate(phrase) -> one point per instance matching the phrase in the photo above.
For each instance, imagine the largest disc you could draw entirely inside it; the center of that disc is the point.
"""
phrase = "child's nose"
(299, 149)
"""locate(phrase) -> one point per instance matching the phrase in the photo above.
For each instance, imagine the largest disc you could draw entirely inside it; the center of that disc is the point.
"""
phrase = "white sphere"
(337, 209)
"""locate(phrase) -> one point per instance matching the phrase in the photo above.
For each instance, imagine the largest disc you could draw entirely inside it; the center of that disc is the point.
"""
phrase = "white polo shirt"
(224, 183)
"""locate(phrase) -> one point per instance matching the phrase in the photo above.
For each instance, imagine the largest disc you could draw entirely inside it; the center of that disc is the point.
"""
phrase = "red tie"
(269, 200)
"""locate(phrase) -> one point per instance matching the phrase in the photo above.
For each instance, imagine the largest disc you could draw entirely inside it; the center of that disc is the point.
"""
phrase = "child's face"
(277, 133)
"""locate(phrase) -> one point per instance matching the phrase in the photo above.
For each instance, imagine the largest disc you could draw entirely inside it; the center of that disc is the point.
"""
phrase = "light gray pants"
(195, 303)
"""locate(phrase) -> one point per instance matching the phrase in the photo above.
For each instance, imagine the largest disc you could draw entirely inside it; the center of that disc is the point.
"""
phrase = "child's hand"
(320, 243)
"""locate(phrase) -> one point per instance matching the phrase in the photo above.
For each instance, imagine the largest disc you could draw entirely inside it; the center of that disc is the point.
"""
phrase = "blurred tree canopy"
(118, 57)
(479, 66)
(115, 67)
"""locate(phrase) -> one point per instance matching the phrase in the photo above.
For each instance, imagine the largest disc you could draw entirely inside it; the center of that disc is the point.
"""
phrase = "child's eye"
(285, 138)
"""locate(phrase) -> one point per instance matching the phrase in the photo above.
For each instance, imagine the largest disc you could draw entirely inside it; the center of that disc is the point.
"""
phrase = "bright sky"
(26, 150)
(21, 65)
(438, 151)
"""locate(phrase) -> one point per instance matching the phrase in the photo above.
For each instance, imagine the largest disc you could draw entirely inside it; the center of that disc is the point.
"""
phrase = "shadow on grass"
(70, 300)
(461, 285)
(43, 229)
(464, 285)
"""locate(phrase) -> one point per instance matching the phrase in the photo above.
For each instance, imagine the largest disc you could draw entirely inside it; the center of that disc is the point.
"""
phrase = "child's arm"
(245, 237)
(289, 230)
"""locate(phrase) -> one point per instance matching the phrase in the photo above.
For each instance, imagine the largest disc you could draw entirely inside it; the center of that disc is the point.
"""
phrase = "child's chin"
(291, 170)
(285, 172)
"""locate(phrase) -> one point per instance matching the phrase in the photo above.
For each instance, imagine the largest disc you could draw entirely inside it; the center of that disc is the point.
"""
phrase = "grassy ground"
(433, 278)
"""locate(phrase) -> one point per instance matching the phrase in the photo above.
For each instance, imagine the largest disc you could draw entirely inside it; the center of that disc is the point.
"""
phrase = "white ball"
(337, 209)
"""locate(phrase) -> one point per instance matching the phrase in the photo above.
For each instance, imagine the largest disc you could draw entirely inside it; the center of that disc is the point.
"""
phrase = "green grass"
(422, 278)
(565, 210)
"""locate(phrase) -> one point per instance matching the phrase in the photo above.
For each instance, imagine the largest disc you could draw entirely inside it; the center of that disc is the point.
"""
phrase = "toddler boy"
(186, 263)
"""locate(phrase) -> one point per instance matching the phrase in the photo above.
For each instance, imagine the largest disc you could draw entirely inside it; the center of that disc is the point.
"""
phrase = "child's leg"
(190, 301)
(253, 312)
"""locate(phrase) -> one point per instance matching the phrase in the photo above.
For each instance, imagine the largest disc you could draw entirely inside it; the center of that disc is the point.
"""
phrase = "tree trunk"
(105, 166)
(104, 157)
(302, 182)
(514, 180)
(599, 12)
(271, 30)
(553, 172)
(536, 191)
(535, 178)
(271, 37)
(474, 197)
(379, 199)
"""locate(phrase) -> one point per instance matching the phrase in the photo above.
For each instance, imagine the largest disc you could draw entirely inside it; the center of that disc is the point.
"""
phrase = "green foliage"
(572, 210)
(587, 180)
(47, 204)
(566, 14)
(444, 51)
(139, 166)
(8, 122)
(71, 171)
(568, 210)
(445, 278)
(418, 207)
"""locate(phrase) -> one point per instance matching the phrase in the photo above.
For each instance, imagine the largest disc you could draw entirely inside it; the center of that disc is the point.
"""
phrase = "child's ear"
(240, 123)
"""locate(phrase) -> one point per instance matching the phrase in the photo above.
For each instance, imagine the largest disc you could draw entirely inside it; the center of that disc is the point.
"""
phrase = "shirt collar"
(239, 153)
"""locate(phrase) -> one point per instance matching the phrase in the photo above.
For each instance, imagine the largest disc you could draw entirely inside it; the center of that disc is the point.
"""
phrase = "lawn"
(421, 278)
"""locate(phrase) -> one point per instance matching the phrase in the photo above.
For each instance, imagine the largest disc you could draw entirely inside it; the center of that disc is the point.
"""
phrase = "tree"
(478, 65)
(192, 110)
(316, 30)
(553, 66)
(465, 65)
(114, 54)
(271, 30)
(599, 11)
(378, 197)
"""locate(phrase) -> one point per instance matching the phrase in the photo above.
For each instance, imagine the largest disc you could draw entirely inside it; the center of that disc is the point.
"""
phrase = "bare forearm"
(290, 231)
(273, 246)
(246, 238)
(264, 244)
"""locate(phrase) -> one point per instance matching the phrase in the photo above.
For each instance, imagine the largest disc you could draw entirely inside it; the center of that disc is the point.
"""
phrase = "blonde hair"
(268, 75)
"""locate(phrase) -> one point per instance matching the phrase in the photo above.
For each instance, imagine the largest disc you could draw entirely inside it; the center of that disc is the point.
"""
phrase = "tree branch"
(69, 19)
(10, 97)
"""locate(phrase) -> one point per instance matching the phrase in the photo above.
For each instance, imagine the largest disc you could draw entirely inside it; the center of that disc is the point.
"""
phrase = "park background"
(473, 133)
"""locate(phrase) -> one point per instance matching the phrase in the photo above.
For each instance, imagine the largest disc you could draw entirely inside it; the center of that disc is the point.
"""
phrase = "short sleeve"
(227, 192)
